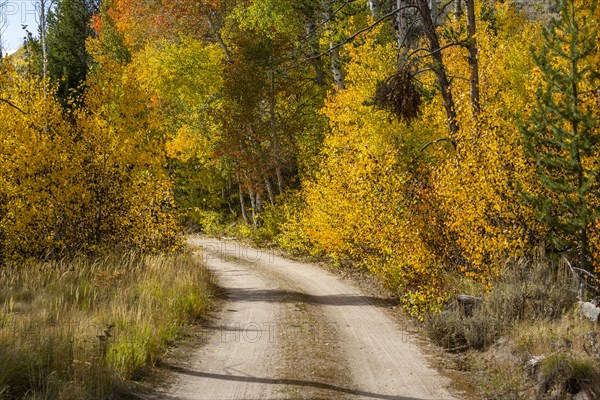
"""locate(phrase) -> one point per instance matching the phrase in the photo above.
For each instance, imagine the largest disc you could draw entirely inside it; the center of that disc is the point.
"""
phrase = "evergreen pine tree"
(562, 136)
(68, 29)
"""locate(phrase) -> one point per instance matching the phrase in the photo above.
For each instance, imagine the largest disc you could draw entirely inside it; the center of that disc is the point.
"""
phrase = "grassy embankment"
(84, 328)
(526, 339)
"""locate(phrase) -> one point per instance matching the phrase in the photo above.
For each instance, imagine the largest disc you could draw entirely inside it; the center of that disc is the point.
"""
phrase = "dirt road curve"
(295, 331)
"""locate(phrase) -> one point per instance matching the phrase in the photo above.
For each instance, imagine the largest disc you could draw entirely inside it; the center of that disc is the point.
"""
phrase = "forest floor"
(287, 329)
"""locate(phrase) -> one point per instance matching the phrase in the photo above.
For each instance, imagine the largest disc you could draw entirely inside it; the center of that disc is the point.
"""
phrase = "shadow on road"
(287, 296)
(291, 382)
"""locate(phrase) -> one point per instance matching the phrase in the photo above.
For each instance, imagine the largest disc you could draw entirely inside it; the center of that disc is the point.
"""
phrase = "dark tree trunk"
(315, 61)
(242, 202)
(214, 31)
(473, 59)
(438, 66)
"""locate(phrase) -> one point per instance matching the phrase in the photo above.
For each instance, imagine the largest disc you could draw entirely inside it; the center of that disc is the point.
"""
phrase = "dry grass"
(526, 291)
(567, 366)
(80, 329)
(456, 332)
(530, 314)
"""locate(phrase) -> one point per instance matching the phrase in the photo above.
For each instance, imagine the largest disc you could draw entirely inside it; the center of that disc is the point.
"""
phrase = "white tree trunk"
(254, 204)
(433, 4)
(402, 26)
(457, 9)
(43, 4)
(3, 25)
(374, 7)
(336, 63)
(276, 158)
(336, 67)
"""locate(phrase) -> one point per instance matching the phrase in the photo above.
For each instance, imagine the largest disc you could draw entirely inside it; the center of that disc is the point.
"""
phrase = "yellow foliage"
(415, 217)
(359, 204)
(125, 166)
(183, 79)
(478, 187)
(84, 180)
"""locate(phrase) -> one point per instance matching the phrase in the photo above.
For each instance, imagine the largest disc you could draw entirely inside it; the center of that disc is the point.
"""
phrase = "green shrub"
(208, 222)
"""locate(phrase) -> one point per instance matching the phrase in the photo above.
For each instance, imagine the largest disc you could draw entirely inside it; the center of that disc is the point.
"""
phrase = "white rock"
(581, 396)
(590, 311)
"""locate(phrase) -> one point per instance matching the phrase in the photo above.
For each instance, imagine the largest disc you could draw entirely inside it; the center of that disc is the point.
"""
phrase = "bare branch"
(12, 105)
(361, 31)
(432, 52)
(444, 139)
(328, 19)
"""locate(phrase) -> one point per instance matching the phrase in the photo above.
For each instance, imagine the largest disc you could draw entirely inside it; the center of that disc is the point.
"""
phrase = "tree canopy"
(419, 140)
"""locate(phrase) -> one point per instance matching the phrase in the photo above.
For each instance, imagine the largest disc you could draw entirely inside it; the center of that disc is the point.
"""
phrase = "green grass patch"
(82, 328)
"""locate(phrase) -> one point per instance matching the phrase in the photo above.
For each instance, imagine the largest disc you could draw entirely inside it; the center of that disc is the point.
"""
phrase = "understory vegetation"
(419, 143)
(525, 338)
(85, 328)
(441, 146)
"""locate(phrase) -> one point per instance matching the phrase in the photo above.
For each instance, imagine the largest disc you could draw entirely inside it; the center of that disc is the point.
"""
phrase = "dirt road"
(290, 330)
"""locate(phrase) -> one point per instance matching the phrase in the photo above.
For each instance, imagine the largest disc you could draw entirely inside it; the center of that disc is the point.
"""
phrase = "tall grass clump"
(82, 328)
(526, 290)
(525, 337)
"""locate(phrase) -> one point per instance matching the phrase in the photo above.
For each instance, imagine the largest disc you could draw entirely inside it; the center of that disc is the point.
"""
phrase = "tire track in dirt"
(293, 330)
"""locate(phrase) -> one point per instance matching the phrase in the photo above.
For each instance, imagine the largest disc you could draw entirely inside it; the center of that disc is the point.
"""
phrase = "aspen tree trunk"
(270, 191)
(3, 25)
(457, 9)
(313, 41)
(242, 202)
(279, 179)
(229, 190)
(336, 68)
(402, 28)
(259, 204)
(44, 7)
(374, 7)
(434, 11)
(43, 38)
(334, 54)
(254, 205)
(274, 134)
(43, 28)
